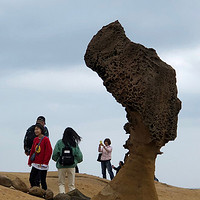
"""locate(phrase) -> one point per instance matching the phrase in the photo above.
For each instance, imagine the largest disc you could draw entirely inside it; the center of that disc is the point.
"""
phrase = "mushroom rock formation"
(146, 86)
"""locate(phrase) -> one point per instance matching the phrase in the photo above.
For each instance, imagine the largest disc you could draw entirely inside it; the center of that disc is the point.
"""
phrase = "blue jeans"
(107, 165)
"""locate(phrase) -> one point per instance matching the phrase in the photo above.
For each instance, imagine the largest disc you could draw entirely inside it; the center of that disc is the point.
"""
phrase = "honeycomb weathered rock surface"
(137, 78)
(146, 86)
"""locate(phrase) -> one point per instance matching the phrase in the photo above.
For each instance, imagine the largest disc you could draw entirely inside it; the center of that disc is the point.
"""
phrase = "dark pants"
(107, 165)
(34, 177)
(38, 179)
(76, 169)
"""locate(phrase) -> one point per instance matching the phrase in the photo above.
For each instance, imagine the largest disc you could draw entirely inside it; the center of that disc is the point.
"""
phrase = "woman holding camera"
(106, 150)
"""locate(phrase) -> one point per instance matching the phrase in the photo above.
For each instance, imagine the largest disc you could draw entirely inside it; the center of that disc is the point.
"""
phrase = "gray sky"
(42, 72)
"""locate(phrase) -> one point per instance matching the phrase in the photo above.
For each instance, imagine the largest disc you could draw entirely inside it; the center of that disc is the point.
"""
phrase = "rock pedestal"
(146, 86)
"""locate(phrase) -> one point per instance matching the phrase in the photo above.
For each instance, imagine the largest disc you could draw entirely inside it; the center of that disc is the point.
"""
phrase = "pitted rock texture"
(138, 79)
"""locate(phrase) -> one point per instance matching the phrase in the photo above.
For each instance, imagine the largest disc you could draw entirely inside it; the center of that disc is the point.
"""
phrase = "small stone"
(18, 184)
(49, 194)
(36, 191)
(77, 195)
(62, 197)
(5, 181)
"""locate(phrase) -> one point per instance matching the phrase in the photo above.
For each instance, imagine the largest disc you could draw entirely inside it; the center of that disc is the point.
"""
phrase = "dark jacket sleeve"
(28, 139)
(46, 131)
(25, 142)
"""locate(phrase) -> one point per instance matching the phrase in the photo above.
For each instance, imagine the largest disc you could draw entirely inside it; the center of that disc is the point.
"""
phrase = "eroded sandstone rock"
(77, 195)
(48, 194)
(18, 184)
(146, 86)
(36, 191)
(73, 195)
(62, 197)
(5, 181)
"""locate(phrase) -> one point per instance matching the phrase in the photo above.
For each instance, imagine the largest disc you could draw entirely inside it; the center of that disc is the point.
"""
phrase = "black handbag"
(99, 157)
(33, 157)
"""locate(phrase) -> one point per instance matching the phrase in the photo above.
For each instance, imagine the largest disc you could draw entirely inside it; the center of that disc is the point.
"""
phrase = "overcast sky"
(42, 72)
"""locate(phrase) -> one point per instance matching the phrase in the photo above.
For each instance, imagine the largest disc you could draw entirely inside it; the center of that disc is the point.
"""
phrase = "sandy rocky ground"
(90, 186)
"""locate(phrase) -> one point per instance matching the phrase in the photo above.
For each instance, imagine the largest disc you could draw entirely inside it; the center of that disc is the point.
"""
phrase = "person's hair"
(40, 127)
(41, 118)
(108, 141)
(71, 137)
(121, 162)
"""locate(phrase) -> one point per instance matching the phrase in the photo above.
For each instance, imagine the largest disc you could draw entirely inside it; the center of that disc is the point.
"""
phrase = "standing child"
(70, 141)
(39, 157)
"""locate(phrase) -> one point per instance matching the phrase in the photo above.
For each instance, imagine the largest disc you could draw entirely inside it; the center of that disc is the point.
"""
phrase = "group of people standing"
(38, 147)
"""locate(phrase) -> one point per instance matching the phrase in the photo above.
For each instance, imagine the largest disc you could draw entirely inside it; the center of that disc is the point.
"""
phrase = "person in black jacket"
(30, 134)
(119, 167)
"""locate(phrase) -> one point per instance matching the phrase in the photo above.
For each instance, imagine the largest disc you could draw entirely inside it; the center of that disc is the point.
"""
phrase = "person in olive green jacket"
(71, 139)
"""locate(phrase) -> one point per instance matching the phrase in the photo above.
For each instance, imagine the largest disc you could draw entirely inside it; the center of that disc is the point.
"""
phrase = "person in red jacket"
(42, 149)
